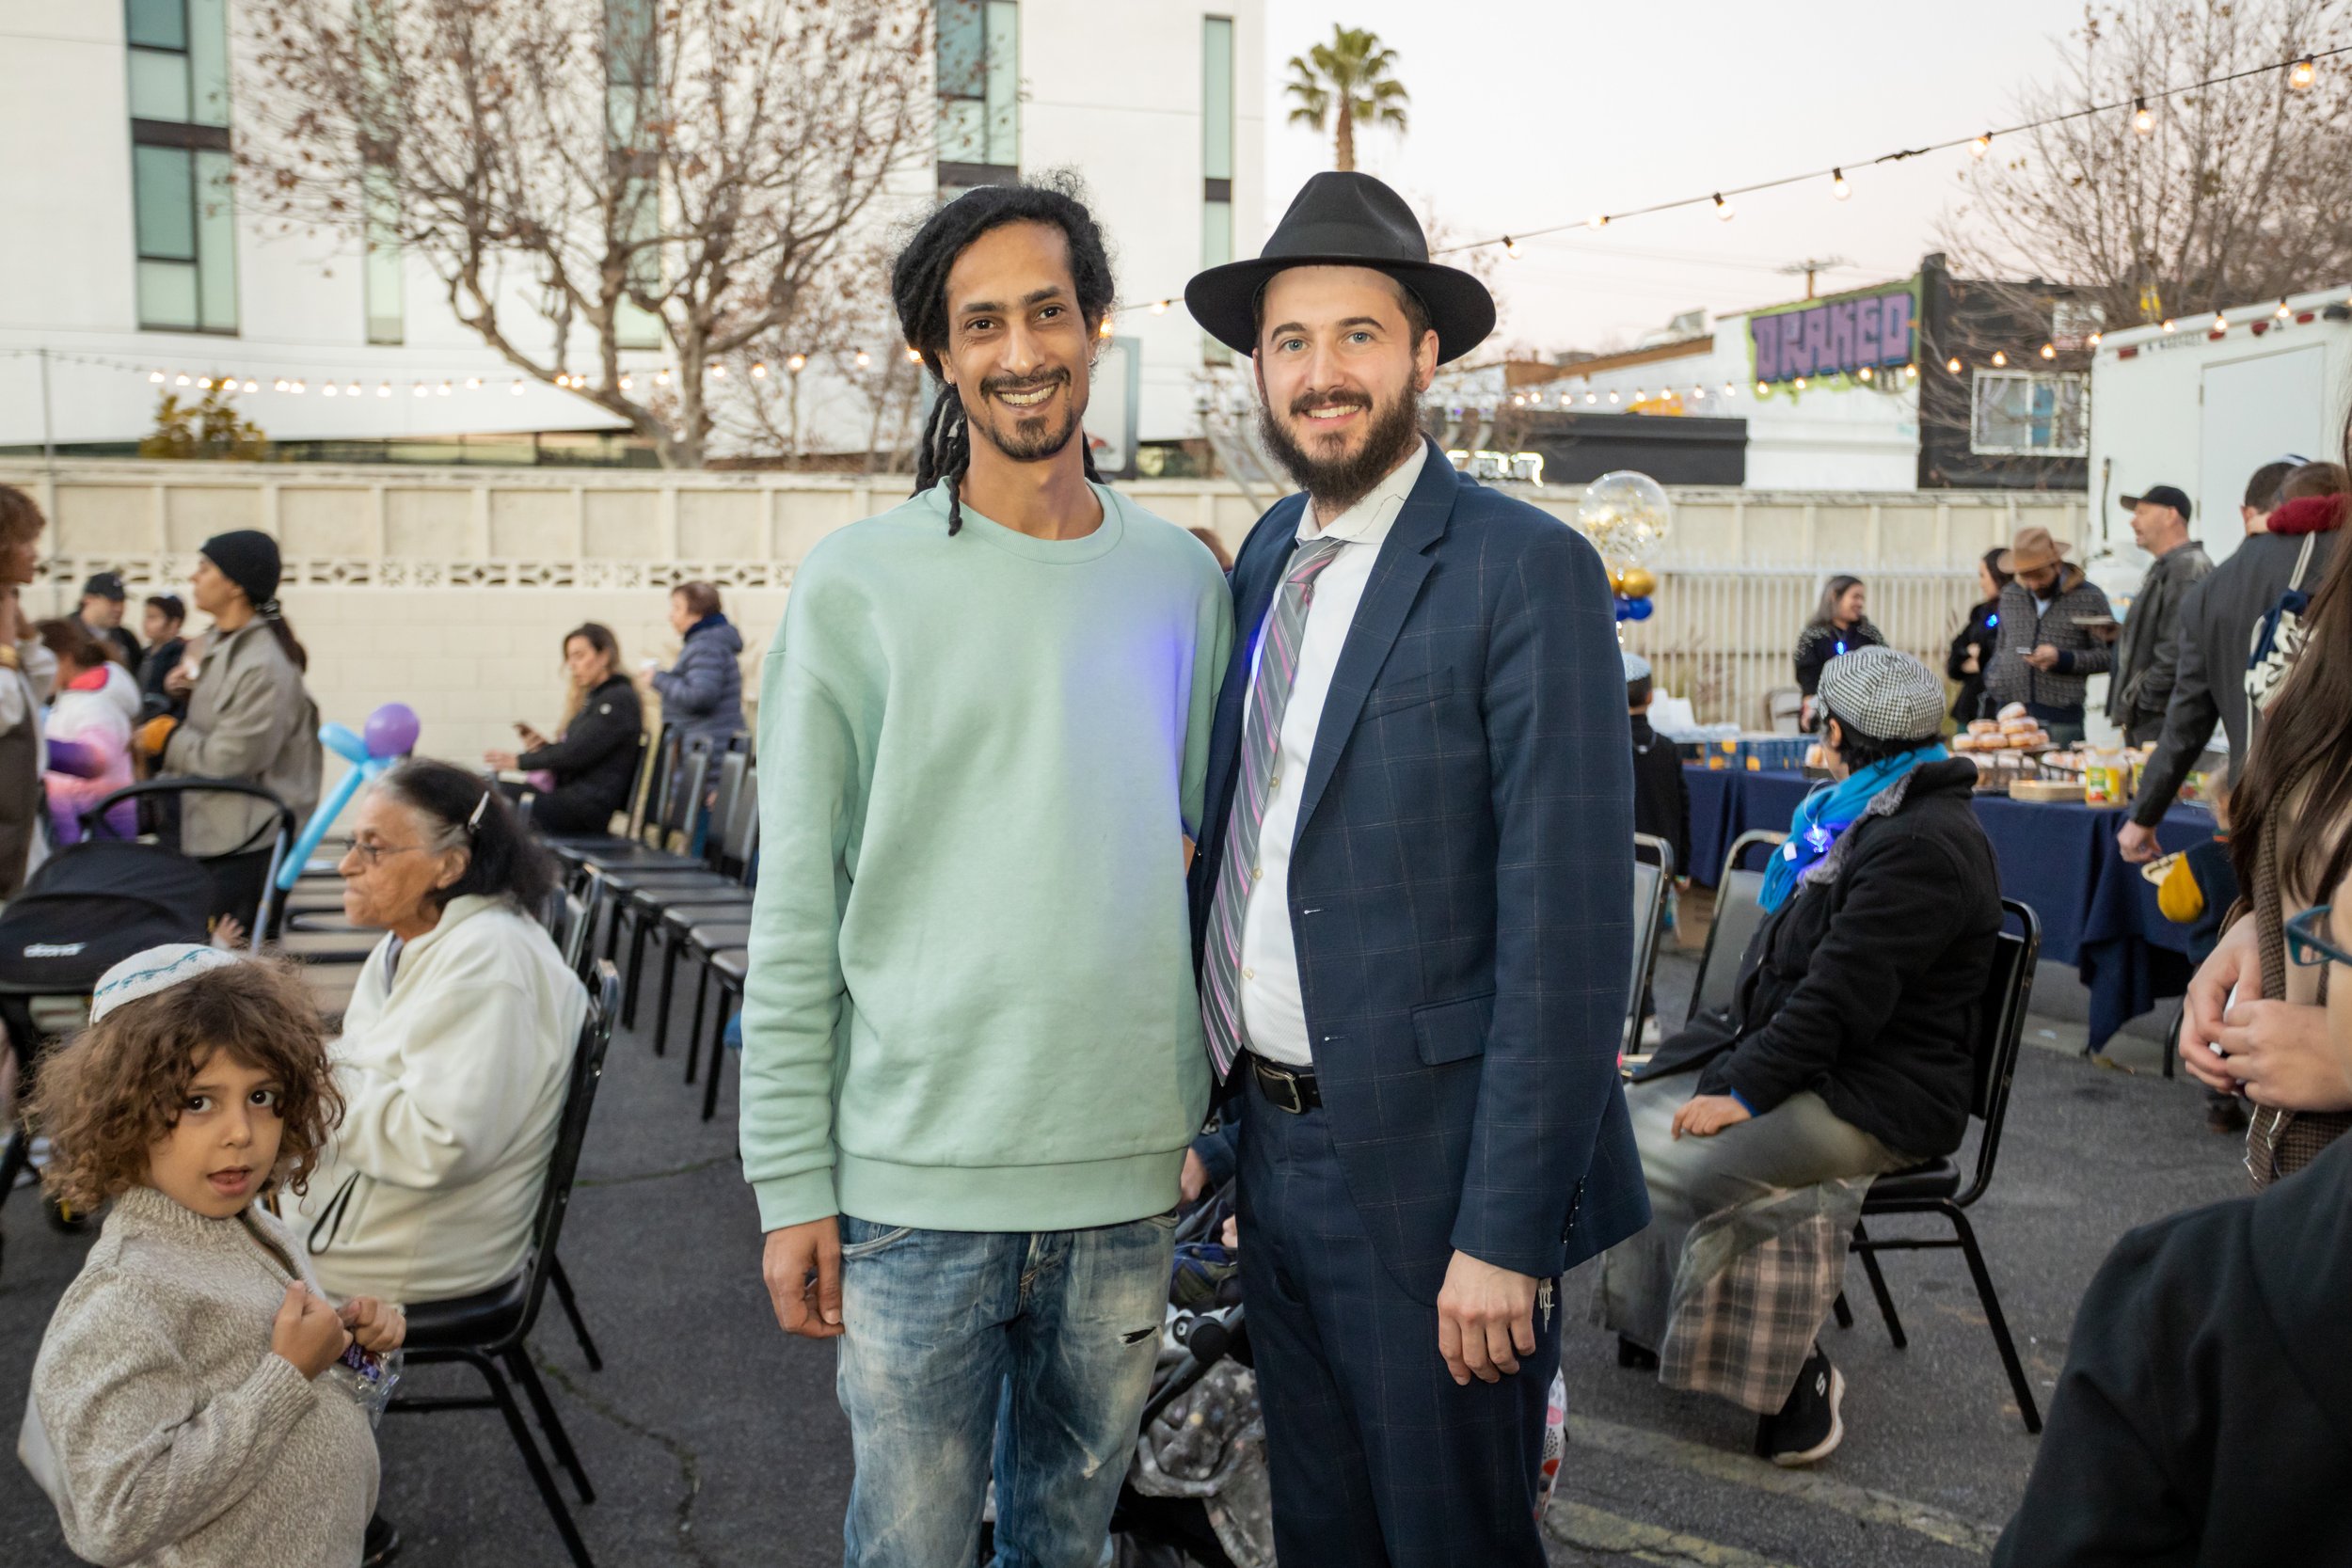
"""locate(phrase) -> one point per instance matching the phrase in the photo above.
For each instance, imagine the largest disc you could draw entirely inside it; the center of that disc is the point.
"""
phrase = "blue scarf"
(1828, 812)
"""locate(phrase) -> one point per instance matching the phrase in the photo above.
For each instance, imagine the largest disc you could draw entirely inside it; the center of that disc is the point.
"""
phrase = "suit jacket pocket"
(1409, 693)
(1453, 1031)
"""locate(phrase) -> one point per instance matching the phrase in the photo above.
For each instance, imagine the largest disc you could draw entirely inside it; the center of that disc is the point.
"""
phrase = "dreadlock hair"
(918, 289)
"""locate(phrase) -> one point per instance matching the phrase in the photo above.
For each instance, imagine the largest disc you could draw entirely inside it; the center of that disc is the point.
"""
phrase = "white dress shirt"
(1273, 1006)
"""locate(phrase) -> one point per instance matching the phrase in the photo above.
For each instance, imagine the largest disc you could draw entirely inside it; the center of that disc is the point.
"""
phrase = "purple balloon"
(392, 730)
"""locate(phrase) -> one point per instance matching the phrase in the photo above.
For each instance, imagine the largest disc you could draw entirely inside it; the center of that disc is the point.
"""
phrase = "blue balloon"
(1624, 610)
(1637, 610)
(340, 740)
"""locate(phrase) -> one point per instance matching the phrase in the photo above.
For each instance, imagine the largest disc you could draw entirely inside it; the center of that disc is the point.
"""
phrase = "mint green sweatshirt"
(970, 1002)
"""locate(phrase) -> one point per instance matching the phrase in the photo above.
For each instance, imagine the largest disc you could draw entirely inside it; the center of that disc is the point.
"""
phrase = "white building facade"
(129, 254)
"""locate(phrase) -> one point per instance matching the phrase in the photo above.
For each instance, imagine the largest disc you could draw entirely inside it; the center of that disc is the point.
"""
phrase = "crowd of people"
(1329, 850)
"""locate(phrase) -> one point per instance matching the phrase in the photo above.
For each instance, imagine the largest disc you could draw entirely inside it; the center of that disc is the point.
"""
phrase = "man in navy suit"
(1414, 904)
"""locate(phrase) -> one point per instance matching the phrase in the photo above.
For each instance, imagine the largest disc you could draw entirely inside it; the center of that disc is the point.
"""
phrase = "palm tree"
(1349, 77)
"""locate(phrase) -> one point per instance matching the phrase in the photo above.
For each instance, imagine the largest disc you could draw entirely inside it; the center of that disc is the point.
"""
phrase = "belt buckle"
(1269, 1077)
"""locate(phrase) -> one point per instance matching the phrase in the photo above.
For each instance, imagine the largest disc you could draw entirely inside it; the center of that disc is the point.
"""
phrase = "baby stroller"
(1197, 1493)
(93, 905)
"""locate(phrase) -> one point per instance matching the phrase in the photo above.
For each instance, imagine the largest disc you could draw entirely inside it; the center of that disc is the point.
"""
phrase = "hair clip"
(473, 823)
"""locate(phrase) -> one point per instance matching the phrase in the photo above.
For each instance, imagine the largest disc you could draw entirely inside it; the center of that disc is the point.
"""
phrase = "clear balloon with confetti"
(1627, 517)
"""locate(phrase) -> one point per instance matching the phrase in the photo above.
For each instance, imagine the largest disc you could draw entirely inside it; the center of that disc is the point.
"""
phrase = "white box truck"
(2205, 405)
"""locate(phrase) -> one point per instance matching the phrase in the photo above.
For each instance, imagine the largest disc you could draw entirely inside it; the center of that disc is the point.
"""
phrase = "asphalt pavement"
(714, 1440)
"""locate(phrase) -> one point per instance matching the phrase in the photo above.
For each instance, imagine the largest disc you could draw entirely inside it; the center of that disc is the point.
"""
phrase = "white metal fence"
(1725, 637)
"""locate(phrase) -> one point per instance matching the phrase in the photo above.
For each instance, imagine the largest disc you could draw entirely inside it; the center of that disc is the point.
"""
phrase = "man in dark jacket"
(703, 692)
(2147, 654)
(2217, 633)
(165, 616)
(2053, 624)
(1846, 1052)
(2200, 1418)
(104, 598)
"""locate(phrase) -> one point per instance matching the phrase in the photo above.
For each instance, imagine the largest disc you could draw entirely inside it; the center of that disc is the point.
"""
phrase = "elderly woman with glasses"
(455, 1048)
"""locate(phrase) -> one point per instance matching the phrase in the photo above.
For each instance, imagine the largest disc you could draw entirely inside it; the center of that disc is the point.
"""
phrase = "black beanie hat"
(249, 558)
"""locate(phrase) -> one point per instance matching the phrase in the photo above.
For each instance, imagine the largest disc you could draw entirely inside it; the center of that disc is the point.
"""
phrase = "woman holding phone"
(593, 761)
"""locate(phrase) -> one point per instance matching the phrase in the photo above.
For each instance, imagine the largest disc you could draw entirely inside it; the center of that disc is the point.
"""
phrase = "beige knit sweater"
(183, 1438)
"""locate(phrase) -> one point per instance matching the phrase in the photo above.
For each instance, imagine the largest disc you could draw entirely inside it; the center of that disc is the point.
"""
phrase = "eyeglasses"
(2305, 945)
(374, 853)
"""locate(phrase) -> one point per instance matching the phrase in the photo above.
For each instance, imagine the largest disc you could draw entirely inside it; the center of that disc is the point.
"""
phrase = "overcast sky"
(1528, 113)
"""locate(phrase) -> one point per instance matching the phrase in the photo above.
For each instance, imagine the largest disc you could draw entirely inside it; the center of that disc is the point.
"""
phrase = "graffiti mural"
(1835, 337)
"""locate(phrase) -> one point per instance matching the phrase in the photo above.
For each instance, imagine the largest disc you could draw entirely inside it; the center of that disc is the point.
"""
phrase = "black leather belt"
(1286, 1089)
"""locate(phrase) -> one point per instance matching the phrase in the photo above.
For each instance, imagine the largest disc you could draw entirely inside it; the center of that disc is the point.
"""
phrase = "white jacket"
(452, 1078)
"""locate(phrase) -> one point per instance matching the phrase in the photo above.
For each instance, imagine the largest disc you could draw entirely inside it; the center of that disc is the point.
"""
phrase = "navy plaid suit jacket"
(1461, 888)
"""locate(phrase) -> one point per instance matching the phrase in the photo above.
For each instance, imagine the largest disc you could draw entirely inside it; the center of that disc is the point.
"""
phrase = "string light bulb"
(354, 389)
(1982, 145)
(718, 373)
(629, 383)
(1761, 389)
(1952, 364)
(1910, 373)
(1592, 397)
(418, 389)
(2284, 313)
(1866, 372)
(1598, 220)
(1511, 248)
(513, 391)
(2168, 323)
(2001, 358)
(915, 355)
(297, 388)
(180, 380)
(1698, 392)
(759, 370)
(1799, 384)
(1723, 208)
(2221, 321)
(156, 378)
(204, 384)
(2302, 73)
(2092, 340)
(1104, 331)
(473, 384)
(2049, 351)
(280, 384)
(329, 391)
(864, 358)
(2143, 118)
(443, 389)
(662, 378)
(384, 389)
(1613, 395)
(1159, 308)
(1730, 390)
(1838, 184)
(794, 362)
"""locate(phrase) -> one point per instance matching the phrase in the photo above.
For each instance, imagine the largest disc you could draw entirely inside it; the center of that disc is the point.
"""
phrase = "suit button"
(1248, 973)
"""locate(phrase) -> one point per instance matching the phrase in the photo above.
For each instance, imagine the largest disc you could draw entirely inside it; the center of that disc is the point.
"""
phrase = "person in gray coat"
(703, 692)
(249, 717)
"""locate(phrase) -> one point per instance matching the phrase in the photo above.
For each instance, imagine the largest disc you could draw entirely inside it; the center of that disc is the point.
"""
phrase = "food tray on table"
(2009, 749)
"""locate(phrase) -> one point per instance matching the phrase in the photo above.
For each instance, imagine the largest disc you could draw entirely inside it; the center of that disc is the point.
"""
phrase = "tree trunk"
(1345, 139)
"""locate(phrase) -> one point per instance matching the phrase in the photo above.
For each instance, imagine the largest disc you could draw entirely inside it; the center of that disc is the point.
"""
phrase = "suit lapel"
(1396, 582)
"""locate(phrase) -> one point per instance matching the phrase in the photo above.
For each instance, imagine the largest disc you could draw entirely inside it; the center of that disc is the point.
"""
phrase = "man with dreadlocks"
(972, 1051)
(1416, 900)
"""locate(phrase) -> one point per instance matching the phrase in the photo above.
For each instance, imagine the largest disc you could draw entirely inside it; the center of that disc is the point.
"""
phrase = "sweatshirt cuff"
(796, 1200)
(2065, 661)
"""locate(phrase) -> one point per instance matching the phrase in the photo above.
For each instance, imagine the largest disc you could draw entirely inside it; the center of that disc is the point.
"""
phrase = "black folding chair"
(1739, 916)
(488, 1331)
(1653, 873)
(1935, 1187)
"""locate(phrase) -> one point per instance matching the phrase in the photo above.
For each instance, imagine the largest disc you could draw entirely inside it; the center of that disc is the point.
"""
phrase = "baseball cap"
(2161, 494)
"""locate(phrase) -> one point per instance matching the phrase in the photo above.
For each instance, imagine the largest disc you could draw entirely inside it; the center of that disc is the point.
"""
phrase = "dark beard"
(1338, 483)
(1030, 439)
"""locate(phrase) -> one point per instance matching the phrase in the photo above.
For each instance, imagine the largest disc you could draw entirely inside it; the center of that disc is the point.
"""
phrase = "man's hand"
(2136, 843)
(179, 680)
(2277, 1052)
(1703, 1115)
(1486, 1320)
(2043, 658)
(504, 761)
(1194, 1179)
(801, 1264)
(378, 1326)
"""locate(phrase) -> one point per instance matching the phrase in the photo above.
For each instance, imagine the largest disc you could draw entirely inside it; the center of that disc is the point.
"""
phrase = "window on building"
(2022, 414)
(1216, 154)
(979, 94)
(632, 85)
(184, 219)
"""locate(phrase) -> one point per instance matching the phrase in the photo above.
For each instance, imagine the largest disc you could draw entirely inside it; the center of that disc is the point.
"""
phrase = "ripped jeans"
(1039, 1347)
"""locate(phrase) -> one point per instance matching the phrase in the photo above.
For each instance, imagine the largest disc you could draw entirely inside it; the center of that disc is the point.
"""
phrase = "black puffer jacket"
(595, 762)
(1866, 991)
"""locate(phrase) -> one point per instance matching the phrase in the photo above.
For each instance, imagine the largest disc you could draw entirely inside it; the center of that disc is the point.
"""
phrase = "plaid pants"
(1746, 1245)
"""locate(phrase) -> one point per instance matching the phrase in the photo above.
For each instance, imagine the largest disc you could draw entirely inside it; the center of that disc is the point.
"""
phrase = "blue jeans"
(1040, 1347)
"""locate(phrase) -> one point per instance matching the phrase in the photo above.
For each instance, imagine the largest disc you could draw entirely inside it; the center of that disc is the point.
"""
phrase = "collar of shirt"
(1368, 521)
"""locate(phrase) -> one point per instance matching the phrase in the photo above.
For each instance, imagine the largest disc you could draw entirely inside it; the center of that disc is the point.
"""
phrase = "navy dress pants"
(1377, 1458)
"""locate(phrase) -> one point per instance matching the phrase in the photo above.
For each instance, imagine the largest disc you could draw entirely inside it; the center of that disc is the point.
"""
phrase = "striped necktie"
(1260, 753)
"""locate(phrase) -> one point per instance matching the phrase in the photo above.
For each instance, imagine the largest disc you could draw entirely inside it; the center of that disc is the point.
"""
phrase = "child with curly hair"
(178, 1397)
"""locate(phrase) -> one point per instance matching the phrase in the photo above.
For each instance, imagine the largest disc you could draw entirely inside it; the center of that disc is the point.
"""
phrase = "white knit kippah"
(1884, 693)
(143, 975)
(1636, 666)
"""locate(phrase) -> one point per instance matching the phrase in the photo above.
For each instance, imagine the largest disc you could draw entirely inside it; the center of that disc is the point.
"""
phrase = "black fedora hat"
(1345, 219)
